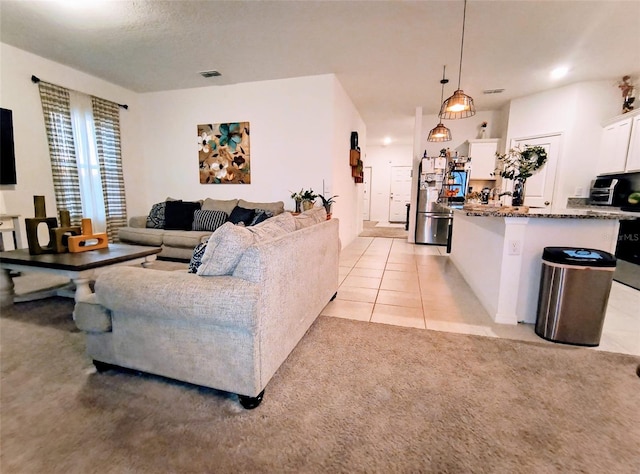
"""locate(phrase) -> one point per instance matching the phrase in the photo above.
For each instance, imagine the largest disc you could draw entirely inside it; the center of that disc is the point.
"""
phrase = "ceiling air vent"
(210, 74)
(493, 91)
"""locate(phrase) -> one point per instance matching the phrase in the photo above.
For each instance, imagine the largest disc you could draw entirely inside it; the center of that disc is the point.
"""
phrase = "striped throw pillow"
(208, 220)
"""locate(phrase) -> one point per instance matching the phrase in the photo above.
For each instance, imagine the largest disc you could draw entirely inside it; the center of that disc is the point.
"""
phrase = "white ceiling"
(388, 55)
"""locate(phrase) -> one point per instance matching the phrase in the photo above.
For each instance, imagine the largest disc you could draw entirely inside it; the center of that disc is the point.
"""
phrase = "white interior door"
(366, 206)
(539, 187)
(400, 194)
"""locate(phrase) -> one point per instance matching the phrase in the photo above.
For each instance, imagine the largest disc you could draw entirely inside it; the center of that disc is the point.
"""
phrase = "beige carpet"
(371, 229)
(352, 397)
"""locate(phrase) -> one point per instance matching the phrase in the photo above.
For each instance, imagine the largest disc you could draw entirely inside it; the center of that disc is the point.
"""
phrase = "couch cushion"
(275, 207)
(275, 227)
(183, 238)
(155, 219)
(219, 205)
(208, 220)
(141, 236)
(240, 214)
(178, 215)
(311, 217)
(224, 250)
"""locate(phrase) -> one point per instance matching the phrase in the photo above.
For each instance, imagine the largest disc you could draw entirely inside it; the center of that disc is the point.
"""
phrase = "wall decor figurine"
(628, 94)
(224, 153)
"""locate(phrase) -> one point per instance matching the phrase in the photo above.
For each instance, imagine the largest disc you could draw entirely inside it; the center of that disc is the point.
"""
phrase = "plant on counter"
(519, 164)
(522, 164)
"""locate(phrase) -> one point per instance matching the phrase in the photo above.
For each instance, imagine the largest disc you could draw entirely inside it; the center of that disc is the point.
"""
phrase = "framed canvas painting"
(224, 153)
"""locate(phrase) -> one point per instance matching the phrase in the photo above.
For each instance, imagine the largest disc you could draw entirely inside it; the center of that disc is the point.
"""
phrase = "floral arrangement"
(305, 195)
(522, 163)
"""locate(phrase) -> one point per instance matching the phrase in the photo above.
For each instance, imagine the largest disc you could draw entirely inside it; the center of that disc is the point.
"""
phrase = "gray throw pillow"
(224, 250)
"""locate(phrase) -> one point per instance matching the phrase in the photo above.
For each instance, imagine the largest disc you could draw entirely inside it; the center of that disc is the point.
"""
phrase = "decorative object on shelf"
(224, 153)
(327, 203)
(59, 236)
(357, 167)
(308, 199)
(459, 105)
(628, 94)
(482, 131)
(297, 198)
(32, 224)
(440, 133)
(85, 241)
(518, 165)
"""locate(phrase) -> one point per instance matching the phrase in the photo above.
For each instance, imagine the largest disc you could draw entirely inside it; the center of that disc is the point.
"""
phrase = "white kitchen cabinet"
(620, 145)
(483, 157)
(633, 154)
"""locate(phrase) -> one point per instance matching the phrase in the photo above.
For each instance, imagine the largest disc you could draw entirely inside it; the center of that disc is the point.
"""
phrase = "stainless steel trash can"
(574, 291)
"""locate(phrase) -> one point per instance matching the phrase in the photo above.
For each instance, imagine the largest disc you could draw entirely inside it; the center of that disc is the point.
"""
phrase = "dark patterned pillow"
(208, 220)
(240, 214)
(261, 215)
(155, 219)
(196, 258)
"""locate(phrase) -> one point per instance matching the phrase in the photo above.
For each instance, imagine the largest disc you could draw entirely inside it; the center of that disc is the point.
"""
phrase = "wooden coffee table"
(81, 268)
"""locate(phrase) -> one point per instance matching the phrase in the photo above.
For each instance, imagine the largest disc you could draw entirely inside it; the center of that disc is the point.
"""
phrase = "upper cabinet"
(483, 157)
(620, 145)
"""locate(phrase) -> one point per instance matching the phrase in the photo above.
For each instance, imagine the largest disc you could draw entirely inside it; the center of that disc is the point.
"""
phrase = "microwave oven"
(607, 191)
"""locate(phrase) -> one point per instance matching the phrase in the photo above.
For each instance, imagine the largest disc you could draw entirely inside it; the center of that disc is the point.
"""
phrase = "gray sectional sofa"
(179, 244)
(230, 325)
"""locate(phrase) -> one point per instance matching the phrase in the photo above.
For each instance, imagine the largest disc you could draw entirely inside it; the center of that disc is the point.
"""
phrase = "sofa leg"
(249, 403)
(102, 366)
(334, 296)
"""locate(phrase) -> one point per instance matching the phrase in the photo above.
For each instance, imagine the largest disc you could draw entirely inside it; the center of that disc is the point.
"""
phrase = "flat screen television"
(7, 151)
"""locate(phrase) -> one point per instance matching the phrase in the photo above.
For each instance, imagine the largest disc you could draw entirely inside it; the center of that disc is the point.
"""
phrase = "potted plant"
(519, 164)
(308, 199)
(297, 197)
(327, 203)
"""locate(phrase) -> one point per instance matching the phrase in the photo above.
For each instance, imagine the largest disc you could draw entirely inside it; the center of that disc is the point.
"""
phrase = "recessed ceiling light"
(386, 141)
(559, 72)
(210, 74)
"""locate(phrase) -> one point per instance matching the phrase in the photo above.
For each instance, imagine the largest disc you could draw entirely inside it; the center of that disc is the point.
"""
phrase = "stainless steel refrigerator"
(432, 226)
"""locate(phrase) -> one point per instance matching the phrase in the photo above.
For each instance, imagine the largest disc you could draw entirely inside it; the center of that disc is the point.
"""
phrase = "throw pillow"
(224, 250)
(261, 216)
(208, 220)
(155, 219)
(279, 225)
(275, 207)
(196, 258)
(240, 214)
(179, 215)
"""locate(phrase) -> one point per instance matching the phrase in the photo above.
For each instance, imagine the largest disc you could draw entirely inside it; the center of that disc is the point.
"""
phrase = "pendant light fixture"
(440, 133)
(459, 105)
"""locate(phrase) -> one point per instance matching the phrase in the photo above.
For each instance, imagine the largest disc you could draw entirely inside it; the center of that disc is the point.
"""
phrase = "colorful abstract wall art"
(224, 153)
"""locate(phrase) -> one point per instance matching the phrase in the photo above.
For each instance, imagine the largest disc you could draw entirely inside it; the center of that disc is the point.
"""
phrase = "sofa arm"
(223, 301)
(138, 221)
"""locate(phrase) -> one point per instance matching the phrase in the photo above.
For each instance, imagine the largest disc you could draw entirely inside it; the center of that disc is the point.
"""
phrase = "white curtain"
(87, 160)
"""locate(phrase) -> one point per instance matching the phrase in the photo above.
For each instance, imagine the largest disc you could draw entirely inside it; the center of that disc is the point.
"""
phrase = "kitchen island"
(499, 253)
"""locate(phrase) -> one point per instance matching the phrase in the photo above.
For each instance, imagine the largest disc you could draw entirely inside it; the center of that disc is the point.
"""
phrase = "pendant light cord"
(464, 16)
(443, 82)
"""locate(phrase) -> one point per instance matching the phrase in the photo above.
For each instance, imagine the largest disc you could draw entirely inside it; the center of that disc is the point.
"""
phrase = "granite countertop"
(532, 212)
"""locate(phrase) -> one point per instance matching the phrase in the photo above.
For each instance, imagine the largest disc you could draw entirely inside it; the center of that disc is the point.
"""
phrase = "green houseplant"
(519, 164)
(327, 202)
(308, 198)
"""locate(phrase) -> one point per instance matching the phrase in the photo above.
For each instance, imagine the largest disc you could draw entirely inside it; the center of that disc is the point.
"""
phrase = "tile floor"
(391, 281)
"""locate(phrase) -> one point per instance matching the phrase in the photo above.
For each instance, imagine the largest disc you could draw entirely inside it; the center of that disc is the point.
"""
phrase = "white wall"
(33, 166)
(577, 112)
(348, 205)
(381, 159)
(295, 125)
